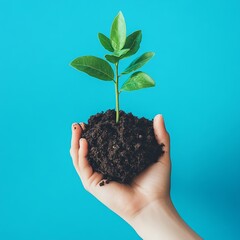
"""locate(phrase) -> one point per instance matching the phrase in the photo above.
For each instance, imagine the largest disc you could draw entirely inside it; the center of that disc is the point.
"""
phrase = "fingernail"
(81, 125)
(158, 116)
(74, 125)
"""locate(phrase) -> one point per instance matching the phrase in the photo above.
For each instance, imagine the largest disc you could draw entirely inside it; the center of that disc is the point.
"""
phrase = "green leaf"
(94, 66)
(133, 43)
(118, 32)
(111, 58)
(137, 81)
(105, 41)
(139, 62)
(120, 52)
(115, 57)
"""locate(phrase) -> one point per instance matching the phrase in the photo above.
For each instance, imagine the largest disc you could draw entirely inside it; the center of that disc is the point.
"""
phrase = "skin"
(145, 204)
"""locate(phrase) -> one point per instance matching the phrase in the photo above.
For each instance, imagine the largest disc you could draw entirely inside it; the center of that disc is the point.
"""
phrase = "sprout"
(120, 46)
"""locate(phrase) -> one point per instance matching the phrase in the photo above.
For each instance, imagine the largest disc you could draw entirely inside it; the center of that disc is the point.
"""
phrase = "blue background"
(196, 69)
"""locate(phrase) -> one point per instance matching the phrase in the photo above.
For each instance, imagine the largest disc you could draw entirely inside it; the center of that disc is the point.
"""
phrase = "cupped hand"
(153, 184)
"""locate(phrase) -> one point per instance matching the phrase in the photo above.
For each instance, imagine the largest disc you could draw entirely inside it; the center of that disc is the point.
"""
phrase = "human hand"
(148, 194)
(125, 200)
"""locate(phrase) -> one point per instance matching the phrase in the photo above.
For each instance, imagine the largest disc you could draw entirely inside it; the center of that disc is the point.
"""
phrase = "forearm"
(160, 220)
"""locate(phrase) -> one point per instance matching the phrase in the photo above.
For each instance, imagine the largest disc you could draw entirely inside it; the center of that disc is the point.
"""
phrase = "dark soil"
(121, 151)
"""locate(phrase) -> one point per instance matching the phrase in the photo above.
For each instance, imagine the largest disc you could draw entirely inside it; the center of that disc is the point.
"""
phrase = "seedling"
(120, 46)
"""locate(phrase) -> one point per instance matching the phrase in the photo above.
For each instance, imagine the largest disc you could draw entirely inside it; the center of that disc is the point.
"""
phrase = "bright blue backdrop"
(196, 69)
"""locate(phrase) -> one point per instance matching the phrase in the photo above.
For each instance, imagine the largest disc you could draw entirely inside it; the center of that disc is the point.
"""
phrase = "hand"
(148, 193)
(125, 200)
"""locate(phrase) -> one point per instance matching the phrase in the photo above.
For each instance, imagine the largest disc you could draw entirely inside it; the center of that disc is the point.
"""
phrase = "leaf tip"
(120, 13)
(71, 63)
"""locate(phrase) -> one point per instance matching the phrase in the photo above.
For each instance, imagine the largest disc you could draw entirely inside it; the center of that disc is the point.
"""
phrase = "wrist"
(160, 220)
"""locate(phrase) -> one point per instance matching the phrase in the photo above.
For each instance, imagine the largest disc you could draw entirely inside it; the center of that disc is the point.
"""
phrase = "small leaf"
(137, 81)
(115, 57)
(139, 62)
(120, 52)
(133, 43)
(94, 66)
(111, 58)
(118, 32)
(105, 41)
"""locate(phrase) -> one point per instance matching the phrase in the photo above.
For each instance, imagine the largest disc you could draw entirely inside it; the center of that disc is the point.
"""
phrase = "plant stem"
(117, 93)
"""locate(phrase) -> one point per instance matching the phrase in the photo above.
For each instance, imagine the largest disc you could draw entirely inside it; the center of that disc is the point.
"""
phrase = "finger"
(76, 134)
(88, 176)
(161, 133)
(82, 125)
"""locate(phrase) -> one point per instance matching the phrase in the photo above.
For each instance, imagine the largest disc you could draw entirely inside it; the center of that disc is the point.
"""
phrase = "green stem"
(117, 94)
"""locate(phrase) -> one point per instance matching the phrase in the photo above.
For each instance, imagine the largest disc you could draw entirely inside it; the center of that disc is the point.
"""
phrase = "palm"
(126, 200)
(154, 181)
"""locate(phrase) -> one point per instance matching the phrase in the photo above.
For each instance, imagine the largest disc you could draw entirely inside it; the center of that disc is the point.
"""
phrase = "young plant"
(120, 46)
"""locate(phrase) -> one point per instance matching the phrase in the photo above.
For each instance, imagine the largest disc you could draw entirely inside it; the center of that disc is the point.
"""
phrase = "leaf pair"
(131, 46)
(116, 56)
(138, 79)
(120, 46)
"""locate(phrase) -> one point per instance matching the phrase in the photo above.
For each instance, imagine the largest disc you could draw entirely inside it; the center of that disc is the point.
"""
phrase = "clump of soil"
(121, 151)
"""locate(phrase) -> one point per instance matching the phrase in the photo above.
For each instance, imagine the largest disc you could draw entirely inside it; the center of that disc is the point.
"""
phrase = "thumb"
(161, 133)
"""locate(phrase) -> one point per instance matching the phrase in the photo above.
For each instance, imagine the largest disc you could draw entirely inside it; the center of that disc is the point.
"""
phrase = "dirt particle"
(101, 183)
